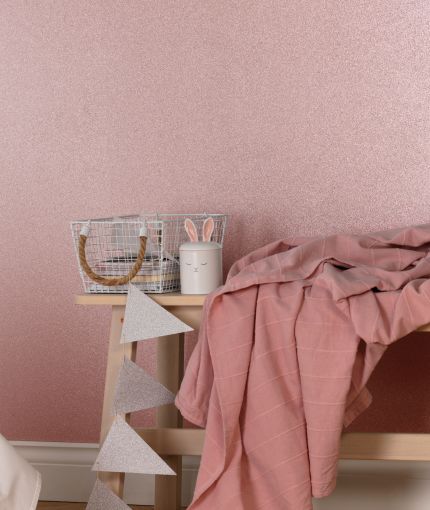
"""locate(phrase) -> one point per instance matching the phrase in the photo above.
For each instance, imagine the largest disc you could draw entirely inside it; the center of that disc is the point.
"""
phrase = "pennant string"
(103, 498)
(145, 319)
(124, 451)
(137, 390)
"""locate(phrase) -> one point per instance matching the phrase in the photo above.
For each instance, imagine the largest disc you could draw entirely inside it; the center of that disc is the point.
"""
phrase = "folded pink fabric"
(284, 352)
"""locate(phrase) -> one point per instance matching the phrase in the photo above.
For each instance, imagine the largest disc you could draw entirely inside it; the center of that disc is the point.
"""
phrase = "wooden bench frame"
(170, 440)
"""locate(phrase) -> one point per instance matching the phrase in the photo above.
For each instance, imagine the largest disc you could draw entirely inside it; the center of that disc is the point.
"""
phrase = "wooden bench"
(169, 439)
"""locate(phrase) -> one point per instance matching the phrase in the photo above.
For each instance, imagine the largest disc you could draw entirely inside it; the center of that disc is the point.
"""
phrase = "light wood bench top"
(168, 299)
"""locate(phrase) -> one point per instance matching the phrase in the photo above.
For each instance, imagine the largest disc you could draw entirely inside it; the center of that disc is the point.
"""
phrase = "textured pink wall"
(293, 117)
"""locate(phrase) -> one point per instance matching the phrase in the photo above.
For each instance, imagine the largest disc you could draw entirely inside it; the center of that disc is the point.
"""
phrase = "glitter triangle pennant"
(137, 390)
(124, 451)
(102, 498)
(144, 319)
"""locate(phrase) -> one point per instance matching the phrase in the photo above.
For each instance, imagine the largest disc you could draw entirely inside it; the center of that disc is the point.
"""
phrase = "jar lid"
(200, 246)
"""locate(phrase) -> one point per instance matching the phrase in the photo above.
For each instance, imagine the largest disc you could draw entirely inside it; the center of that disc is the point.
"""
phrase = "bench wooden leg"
(170, 366)
(116, 354)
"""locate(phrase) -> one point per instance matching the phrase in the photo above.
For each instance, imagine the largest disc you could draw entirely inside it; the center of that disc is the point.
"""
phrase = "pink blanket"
(284, 352)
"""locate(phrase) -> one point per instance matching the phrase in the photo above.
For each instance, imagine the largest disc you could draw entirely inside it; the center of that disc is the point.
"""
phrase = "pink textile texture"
(284, 353)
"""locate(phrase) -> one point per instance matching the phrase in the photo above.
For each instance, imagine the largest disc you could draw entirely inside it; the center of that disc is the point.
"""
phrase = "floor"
(46, 505)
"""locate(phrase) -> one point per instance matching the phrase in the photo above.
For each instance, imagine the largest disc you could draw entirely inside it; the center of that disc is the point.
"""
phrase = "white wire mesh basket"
(143, 249)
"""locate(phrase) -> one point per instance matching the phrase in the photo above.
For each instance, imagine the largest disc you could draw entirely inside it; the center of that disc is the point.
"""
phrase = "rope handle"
(121, 280)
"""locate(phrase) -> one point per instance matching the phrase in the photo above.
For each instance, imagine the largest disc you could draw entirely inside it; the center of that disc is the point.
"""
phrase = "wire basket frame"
(112, 248)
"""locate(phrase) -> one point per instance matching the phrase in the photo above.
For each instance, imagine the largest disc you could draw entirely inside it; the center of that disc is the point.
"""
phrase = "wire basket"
(143, 249)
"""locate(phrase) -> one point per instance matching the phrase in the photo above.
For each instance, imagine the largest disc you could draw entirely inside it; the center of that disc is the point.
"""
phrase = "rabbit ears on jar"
(207, 231)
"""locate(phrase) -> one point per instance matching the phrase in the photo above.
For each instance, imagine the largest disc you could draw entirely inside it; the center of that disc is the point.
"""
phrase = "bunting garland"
(137, 390)
(123, 450)
(146, 319)
(103, 498)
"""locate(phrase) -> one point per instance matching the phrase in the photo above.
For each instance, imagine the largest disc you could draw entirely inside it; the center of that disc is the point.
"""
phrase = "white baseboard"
(67, 476)
(375, 485)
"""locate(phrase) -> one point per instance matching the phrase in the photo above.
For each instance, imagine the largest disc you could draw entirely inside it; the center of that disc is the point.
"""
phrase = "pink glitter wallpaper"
(292, 117)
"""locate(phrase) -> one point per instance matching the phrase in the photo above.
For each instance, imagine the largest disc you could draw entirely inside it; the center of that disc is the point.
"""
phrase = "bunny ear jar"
(200, 261)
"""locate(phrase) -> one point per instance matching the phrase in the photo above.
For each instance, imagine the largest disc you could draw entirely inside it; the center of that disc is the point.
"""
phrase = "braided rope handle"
(121, 280)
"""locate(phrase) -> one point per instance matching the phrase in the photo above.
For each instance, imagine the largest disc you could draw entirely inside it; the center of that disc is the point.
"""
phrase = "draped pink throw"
(284, 353)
